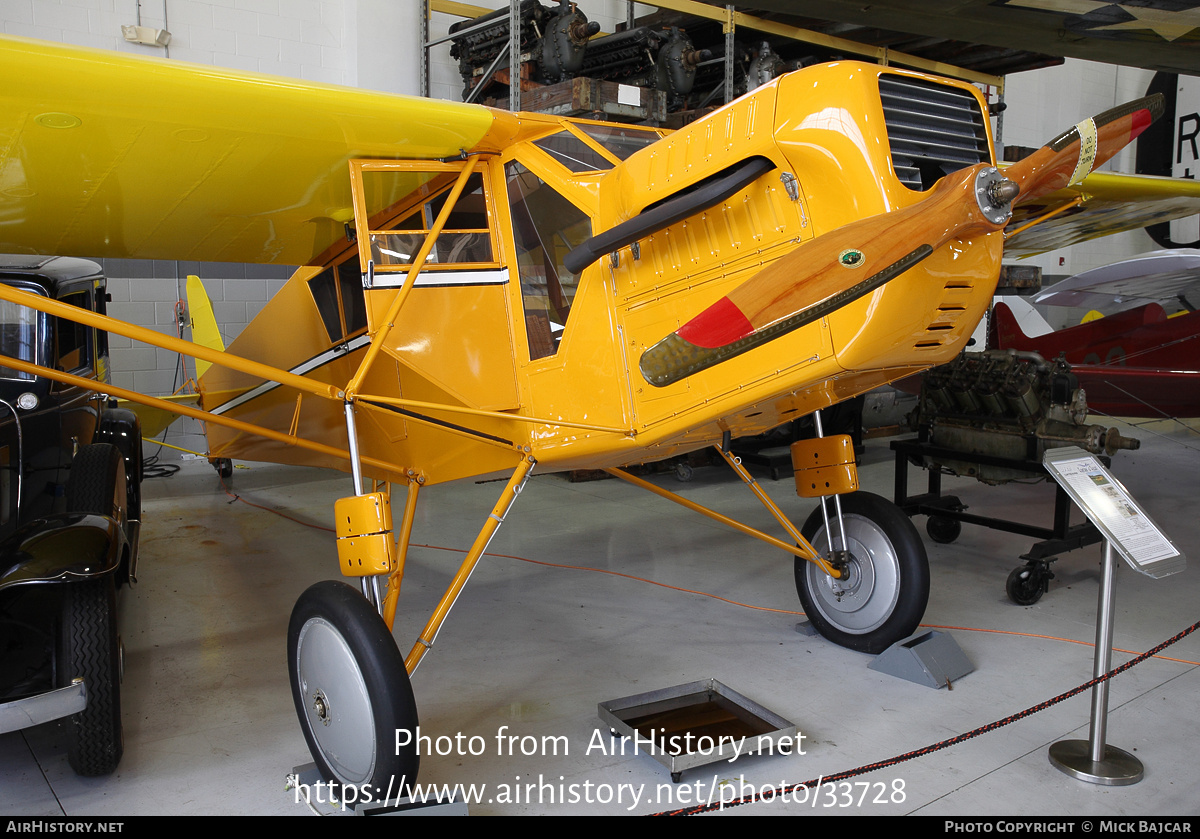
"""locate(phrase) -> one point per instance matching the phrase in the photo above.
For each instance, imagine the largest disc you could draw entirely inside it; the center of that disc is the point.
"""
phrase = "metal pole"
(1103, 657)
(837, 503)
(514, 55)
(424, 36)
(368, 584)
(1092, 760)
(729, 54)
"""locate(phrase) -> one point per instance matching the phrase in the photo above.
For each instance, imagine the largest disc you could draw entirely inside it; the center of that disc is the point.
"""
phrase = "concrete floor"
(530, 650)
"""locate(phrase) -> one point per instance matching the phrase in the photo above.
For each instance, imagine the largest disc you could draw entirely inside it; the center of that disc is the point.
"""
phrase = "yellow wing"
(108, 155)
(1111, 203)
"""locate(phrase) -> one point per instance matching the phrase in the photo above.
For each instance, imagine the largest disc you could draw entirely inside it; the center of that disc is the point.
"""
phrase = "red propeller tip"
(720, 324)
(1141, 121)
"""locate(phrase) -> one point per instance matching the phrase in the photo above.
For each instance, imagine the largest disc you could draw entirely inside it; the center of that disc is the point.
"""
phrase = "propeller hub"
(994, 194)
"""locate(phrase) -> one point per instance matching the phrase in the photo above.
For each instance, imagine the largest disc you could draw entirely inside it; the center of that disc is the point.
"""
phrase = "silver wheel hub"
(850, 581)
(321, 708)
(865, 598)
(339, 712)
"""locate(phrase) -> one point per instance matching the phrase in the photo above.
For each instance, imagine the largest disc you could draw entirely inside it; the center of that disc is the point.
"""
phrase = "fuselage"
(495, 328)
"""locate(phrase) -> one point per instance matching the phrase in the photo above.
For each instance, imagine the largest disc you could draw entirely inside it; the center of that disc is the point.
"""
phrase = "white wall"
(366, 43)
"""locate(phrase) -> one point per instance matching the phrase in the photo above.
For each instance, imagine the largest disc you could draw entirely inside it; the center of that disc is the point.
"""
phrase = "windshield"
(19, 338)
(620, 140)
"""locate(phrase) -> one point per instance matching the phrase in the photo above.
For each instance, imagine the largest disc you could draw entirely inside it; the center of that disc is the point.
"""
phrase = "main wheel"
(352, 692)
(88, 648)
(883, 598)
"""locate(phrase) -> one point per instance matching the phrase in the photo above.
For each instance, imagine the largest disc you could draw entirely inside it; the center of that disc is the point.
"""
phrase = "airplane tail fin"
(204, 323)
(1014, 324)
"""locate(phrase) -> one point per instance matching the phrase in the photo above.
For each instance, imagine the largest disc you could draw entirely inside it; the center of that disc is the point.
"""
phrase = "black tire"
(884, 598)
(97, 483)
(133, 483)
(124, 432)
(88, 648)
(133, 476)
(351, 691)
(1026, 585)
(943, 529)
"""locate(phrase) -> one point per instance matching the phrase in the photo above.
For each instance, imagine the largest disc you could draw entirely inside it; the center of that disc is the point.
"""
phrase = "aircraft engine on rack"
(553, 43)
(1007, 404)
(648, 56)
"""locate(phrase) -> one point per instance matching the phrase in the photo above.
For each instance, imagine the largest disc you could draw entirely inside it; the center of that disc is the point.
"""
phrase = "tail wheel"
(883, 596)
(88, 649)
(351, 691)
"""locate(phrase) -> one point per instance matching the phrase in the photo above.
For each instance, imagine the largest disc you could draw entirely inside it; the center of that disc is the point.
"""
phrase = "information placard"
(1116, 514)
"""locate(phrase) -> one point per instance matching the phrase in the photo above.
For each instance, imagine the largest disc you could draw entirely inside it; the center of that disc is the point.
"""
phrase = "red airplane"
(1138, 362)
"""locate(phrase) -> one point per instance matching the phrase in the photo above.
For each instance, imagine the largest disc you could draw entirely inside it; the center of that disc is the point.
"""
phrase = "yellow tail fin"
(204, 323)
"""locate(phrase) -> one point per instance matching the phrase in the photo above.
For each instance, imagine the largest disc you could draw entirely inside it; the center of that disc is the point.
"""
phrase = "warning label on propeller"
(1088, 145)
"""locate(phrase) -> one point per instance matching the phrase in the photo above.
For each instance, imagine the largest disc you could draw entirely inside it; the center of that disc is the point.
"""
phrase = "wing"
(1154, 276)
(108, 155)
(1111, 203)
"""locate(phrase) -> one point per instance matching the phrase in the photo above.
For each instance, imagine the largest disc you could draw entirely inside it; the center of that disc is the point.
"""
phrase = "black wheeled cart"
(1028, 582)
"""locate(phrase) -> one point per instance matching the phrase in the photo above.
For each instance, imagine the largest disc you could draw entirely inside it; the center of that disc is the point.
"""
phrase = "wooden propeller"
(838, 267)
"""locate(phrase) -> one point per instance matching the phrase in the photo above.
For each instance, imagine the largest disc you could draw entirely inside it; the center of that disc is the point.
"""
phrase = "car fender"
(62, 548)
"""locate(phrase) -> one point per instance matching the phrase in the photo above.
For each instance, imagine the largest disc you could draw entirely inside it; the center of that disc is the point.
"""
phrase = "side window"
(20, 331)
(72, 349)
(464, 239)
(546, 226)
(338, 293)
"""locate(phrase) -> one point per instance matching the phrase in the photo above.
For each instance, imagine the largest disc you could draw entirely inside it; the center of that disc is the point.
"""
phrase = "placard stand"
(1092, 760)
(1127, 530)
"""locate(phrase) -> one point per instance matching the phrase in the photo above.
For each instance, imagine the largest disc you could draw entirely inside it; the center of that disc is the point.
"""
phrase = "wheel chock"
(932, 658)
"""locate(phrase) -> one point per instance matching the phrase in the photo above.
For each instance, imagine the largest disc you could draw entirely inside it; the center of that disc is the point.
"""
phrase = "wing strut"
(507, 498)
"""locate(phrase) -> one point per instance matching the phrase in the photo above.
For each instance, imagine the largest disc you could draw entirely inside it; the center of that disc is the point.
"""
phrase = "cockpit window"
(464, 239)
(338, 293)
(573, 153)
(546, 226)
(620, 140)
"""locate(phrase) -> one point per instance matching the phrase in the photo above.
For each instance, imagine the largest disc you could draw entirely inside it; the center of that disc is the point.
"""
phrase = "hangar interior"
(596, 591)
(593, 591)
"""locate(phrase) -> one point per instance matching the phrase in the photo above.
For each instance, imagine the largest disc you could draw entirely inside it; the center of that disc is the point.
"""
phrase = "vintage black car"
(70, 491)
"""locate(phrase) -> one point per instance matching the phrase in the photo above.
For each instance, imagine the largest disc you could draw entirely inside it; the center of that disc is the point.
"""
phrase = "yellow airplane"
(489, 292)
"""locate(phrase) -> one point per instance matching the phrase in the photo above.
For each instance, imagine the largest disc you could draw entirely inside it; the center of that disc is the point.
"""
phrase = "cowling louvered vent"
(933, 129)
